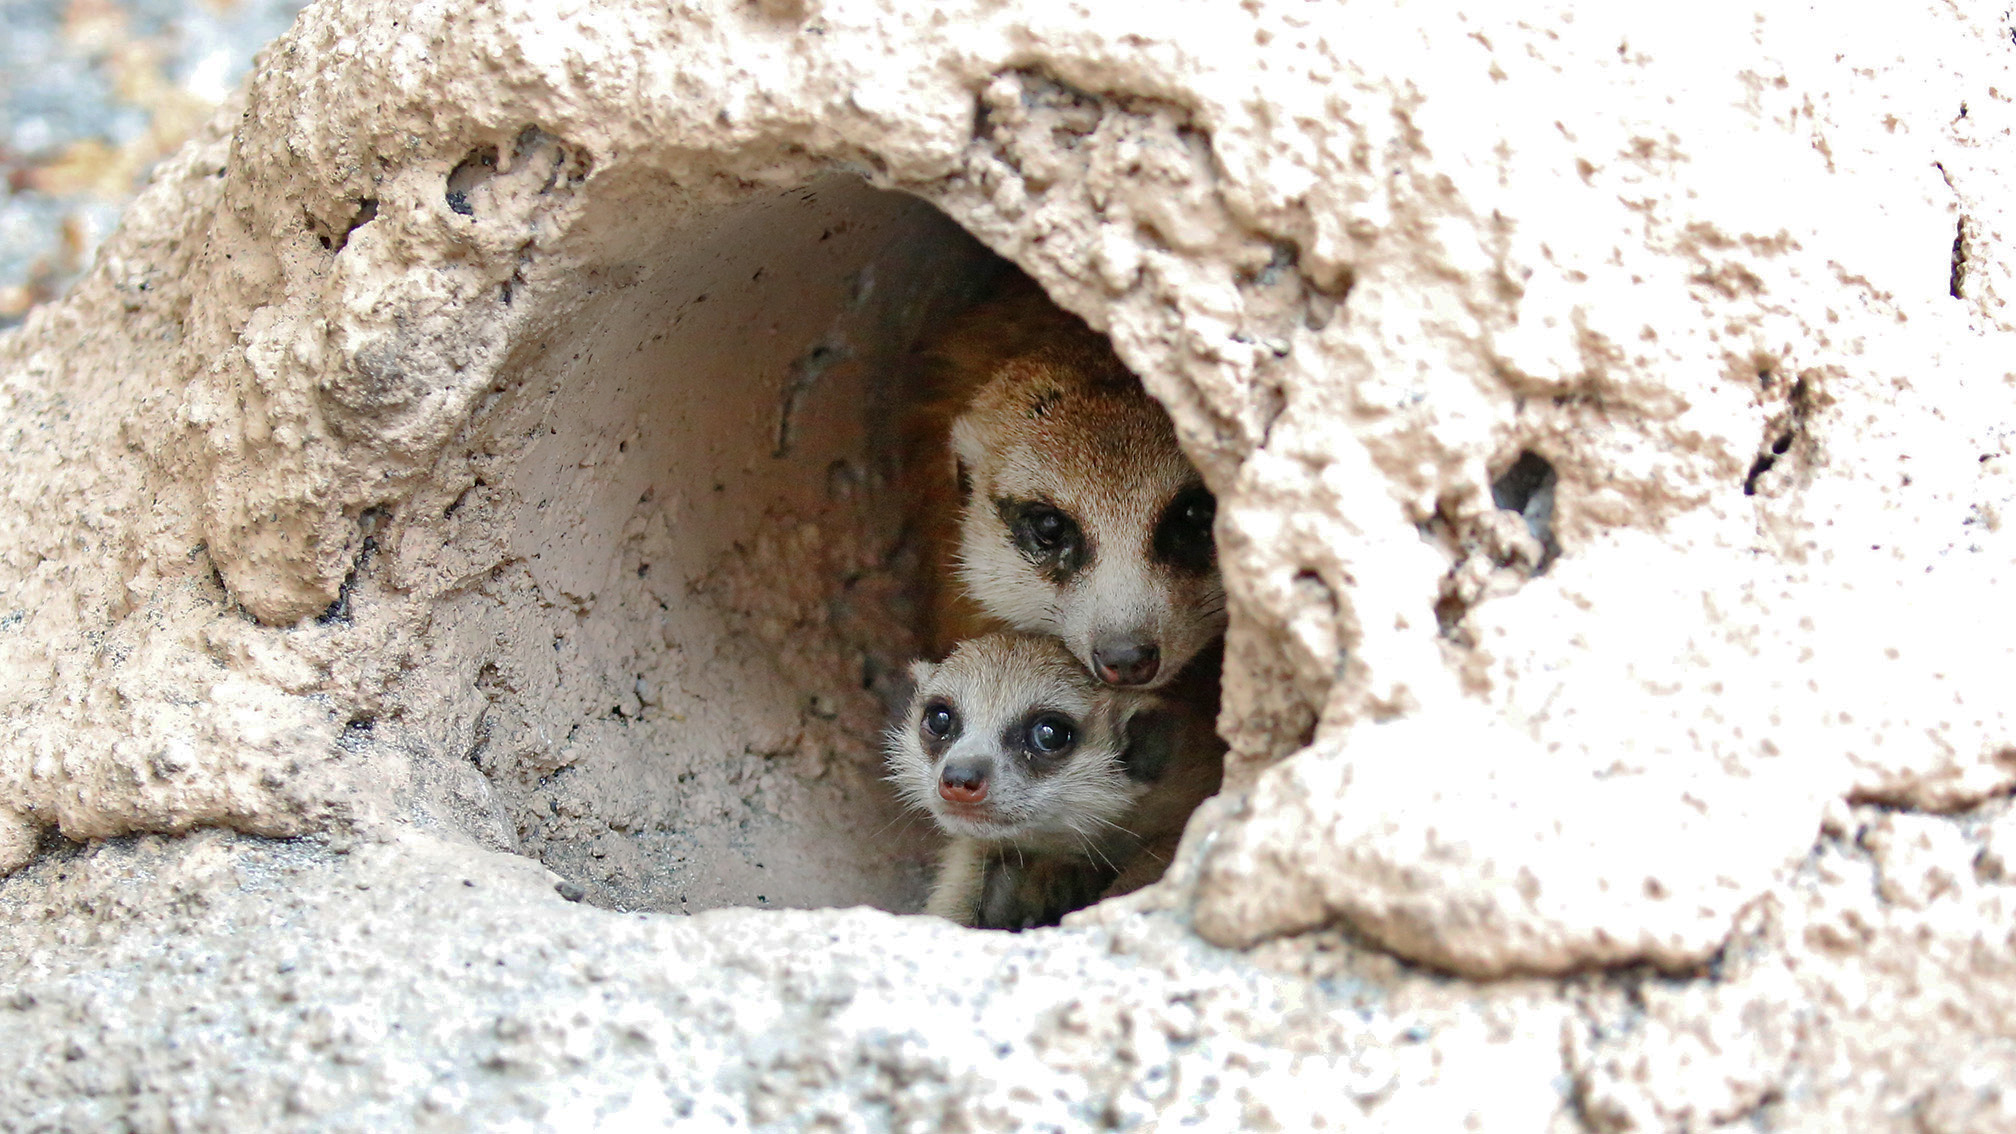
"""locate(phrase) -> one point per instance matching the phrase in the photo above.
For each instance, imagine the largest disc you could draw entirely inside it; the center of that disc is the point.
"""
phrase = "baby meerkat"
(1061, 499)
(1052, 785)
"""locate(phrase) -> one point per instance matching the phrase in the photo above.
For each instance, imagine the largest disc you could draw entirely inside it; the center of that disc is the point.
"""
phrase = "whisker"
(1105, 822)
(1091, 849)
(1116, 827)
(907, 818)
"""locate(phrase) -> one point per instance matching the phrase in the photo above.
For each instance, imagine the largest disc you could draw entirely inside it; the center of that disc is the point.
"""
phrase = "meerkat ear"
(920, 672)
(1152, 733)
(968, 448)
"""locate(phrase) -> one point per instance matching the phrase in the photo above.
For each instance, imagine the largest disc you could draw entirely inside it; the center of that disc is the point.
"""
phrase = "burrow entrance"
(698, 590)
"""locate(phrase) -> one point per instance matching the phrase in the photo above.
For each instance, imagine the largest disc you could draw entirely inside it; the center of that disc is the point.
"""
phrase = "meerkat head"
(1009, 739)
(1081, 517)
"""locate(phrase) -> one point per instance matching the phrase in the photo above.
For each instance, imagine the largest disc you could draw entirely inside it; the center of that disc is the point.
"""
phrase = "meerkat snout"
(964, 774)
(963, 783)
(1125, 660)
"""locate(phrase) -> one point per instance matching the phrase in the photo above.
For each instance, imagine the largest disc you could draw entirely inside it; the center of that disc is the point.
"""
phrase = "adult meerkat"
(1053, 786)
(1058, 499)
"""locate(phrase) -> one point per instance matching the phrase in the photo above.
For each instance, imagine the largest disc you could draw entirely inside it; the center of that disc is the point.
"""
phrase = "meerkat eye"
(1045, 535)
(940, 721)
(1047, 526)
(1183, 534)
(1051, 734)
(1199, 510)
(1044, 529)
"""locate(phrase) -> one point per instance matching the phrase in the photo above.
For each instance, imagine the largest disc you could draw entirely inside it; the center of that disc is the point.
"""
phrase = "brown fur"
(1053, 415)
(1018, 323)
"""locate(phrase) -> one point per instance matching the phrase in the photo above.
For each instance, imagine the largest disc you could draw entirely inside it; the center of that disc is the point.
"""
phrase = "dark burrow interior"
(699, 587)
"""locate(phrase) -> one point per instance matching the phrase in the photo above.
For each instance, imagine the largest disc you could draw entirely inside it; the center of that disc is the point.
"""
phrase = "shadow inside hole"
(1527, 488)
(469, 173)
(697, 587)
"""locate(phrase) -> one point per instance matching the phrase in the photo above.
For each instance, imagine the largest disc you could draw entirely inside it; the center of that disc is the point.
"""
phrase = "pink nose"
(959, 784)
(1126, 662)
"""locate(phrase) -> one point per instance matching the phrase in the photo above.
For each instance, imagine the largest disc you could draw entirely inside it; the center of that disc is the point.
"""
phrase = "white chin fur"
(1034, 835)
(967, 828)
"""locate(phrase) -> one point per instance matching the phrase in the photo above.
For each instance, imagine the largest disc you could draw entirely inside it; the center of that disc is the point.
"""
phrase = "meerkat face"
(1083, 519)
(1008, 739)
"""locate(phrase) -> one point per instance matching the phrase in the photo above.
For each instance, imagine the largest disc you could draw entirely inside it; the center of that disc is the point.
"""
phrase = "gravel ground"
(92, 94)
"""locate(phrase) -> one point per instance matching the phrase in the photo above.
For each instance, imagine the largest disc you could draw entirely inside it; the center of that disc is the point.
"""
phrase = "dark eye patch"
(1046, 536)
(1045, 736)
(939, 723)
(1052, 734)
(1183, 532)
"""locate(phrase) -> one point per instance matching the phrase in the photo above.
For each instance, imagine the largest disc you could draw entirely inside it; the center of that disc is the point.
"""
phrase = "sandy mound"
(475, 450)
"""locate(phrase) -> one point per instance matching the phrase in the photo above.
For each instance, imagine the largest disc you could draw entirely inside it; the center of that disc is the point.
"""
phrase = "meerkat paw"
(1019, 892)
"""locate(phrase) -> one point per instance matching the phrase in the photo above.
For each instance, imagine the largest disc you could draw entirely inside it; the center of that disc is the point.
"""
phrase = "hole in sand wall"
(1527, 488)
(678, 587)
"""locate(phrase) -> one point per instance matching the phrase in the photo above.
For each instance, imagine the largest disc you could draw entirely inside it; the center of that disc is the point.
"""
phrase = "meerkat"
(1053, 786)
(1058, 499)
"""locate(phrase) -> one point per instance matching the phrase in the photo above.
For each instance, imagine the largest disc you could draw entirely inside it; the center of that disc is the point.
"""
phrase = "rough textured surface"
(838, 1020)
(472, 441)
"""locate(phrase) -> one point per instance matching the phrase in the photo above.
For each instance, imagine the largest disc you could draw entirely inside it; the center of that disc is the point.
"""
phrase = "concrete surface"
(465, 463)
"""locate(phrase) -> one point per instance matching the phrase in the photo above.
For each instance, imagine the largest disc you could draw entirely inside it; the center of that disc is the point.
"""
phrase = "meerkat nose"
(963, 783)
(1126, 661)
